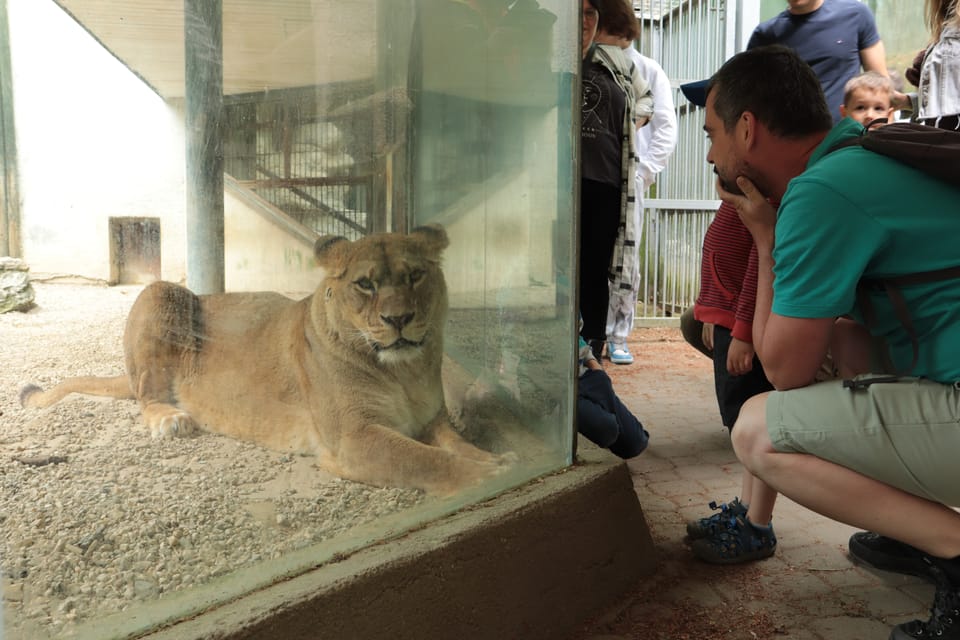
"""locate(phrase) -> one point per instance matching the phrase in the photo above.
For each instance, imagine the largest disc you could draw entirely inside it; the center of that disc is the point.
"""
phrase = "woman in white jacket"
(936, 70)
(655, 144)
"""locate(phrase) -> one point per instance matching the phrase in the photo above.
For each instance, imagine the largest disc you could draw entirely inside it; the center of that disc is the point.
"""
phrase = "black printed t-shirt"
(601, 125)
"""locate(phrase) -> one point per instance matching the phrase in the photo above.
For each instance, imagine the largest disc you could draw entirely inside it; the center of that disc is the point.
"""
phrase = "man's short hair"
(776, 86)
(869, 80)
(617, 18)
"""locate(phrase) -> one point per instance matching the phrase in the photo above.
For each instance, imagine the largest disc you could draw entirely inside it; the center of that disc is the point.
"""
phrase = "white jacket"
(657, 140)
(939, 90)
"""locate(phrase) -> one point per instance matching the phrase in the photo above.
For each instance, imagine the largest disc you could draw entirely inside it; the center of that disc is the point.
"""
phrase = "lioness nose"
(398, 322)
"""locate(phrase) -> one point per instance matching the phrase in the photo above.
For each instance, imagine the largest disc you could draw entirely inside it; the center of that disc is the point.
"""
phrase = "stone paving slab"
(810, 590)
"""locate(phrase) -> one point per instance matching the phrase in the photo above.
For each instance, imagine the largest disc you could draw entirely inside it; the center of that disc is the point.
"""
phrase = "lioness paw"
(174, 425)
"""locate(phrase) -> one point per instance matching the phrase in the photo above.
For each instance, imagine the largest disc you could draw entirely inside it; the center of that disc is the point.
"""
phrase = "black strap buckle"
(863, 383)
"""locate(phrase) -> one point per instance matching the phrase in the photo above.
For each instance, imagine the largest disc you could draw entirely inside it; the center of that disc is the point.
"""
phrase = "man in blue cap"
(836, 38)
(876, 449)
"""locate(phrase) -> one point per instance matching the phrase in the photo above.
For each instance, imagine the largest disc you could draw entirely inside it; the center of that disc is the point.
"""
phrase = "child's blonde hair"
(869, 80)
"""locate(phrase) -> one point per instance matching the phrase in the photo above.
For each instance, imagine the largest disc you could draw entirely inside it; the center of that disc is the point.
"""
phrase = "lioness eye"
(417, 275)
(365, 283)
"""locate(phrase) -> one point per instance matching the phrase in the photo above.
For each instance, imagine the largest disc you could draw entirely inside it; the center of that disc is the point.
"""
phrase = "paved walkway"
(809, 590)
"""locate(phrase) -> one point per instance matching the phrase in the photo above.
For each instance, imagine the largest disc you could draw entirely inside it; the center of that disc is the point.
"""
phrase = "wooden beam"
(10, 237)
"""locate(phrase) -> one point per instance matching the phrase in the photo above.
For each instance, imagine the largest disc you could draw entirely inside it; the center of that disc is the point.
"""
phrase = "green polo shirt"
(854, 213)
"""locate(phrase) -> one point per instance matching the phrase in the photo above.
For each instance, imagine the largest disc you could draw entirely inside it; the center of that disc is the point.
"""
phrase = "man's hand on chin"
(756, 212)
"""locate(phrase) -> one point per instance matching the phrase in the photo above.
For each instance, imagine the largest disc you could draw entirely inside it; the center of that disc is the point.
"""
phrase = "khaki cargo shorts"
(904, 433)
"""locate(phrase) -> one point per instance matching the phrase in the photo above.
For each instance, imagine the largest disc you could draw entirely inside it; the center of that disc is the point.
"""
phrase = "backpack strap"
(933, 151)
(928, 149)
(892, 288)
(858, 140)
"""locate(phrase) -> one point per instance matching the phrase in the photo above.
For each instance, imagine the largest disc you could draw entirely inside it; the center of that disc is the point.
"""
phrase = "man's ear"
(747, 130)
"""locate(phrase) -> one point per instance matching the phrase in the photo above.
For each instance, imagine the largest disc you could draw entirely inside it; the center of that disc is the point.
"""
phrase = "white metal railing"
(670, 259)
(690, 39)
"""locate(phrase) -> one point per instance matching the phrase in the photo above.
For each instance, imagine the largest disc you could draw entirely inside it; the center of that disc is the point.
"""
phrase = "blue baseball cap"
(696, 92)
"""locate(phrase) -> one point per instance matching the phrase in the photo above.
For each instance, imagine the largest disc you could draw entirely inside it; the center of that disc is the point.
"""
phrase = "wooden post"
(10, 239)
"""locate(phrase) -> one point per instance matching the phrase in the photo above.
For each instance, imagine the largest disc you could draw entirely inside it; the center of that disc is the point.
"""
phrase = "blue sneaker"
(619, 353)
(736, 540)
(704, 527)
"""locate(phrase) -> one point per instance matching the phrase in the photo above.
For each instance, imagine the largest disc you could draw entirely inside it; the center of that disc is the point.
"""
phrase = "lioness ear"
(329, 250)
(433, 237)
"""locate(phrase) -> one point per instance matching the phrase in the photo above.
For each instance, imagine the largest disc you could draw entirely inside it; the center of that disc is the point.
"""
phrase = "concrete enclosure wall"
(97, 143)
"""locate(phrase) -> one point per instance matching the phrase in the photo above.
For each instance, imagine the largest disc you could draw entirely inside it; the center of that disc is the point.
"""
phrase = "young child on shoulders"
(868, 97)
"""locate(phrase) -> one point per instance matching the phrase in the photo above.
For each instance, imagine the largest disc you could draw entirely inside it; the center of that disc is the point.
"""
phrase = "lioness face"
(386, 292)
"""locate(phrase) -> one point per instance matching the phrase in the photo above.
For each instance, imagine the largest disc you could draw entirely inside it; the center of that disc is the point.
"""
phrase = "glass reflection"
(338, 120)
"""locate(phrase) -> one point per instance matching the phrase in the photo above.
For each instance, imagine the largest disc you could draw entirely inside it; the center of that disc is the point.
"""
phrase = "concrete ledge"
(532, 563)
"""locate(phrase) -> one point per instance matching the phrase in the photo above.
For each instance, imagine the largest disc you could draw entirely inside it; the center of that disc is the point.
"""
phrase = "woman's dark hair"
(776, 86)
(617, 18)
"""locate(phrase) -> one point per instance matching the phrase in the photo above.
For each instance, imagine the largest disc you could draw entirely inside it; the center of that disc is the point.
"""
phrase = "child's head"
(866, 97)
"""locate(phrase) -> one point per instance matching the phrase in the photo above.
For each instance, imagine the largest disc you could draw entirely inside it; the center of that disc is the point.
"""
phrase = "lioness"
(350, 373)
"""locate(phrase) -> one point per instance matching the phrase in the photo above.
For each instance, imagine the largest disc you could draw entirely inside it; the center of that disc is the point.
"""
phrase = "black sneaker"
(944, 622)
(887, 554)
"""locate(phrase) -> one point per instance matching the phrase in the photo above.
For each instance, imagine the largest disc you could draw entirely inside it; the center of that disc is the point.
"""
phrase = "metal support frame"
(203, 44)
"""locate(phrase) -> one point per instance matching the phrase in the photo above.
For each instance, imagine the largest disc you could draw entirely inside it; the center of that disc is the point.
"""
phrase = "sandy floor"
(96, 516)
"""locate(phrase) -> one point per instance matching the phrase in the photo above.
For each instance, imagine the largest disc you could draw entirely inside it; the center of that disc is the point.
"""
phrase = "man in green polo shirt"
(880, 455)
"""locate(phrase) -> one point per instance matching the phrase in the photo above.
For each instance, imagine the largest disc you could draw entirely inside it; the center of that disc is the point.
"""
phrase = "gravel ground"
(95, 516)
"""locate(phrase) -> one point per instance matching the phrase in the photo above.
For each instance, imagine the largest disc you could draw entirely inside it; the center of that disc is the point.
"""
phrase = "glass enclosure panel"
(325, 424)
(493, 166)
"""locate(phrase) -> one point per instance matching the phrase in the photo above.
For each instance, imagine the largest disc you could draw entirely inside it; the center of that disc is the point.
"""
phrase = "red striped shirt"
(728, 275)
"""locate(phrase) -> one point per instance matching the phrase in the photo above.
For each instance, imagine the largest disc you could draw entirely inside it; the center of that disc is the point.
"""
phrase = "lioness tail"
(33, 397)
